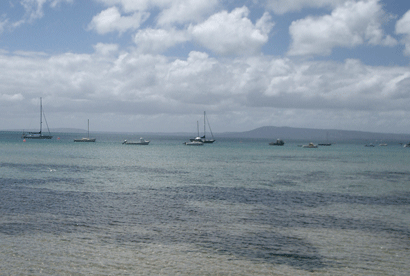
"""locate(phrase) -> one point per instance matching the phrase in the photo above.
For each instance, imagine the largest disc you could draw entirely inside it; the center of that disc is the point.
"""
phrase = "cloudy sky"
(157, 65)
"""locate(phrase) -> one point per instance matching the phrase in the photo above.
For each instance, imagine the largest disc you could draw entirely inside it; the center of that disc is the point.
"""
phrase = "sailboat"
(203, 138)
(86, 139)
(38, 135)
(327, 141)
(196, 141)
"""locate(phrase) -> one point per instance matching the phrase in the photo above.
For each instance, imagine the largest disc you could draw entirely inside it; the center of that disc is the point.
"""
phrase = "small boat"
(194, 143)
(407, 145)
(383, 145)
(38, 135)
(142, 142)
(86, 139)
(279, 142)
(310, 146)
(327, 144)
(369, 145)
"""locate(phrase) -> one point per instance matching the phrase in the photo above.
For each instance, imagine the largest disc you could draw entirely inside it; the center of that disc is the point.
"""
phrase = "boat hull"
(85, 140)
(37, 137)
(136, 143)
(141, 142)
(194, 143)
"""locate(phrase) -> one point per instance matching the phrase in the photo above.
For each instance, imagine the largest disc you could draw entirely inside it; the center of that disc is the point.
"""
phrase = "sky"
(157, 65)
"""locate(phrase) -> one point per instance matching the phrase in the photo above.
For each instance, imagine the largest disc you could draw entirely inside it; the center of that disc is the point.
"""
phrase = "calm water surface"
(236, 207)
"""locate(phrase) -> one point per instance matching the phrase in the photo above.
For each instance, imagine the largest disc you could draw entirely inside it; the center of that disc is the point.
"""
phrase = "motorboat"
(407, 145)
(194, 143)
(142, 141)
(369, 145)
(310, 146)
(279, 142)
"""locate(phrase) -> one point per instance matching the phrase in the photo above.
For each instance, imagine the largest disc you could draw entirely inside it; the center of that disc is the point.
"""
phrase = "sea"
(234, 207)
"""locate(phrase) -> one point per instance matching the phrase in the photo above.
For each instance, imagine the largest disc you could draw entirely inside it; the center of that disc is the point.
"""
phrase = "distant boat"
(86, 139)
(383, 145)
(279, 142)
(38, 135)
(407, 145)
(197, 141)
(142, 142)
(194, 143)
(310, 146)
(203, 138)
(327, 144)
(369, 145)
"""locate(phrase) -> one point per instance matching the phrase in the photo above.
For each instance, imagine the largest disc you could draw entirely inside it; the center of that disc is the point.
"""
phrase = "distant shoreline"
(268, 132)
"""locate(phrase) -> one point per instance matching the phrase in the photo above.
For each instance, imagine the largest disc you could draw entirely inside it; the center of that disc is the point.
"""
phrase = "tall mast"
(88, 128)
(41, 114)
(204, 124)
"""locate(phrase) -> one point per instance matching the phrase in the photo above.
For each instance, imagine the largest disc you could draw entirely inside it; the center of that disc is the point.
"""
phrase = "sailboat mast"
(204, 124)
(88, 128)
(41, 114)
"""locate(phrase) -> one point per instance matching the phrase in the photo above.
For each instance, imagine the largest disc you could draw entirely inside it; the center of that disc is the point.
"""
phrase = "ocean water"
(235, 207)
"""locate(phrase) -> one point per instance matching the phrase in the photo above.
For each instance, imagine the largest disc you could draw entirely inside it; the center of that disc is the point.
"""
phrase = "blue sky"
(156, 65)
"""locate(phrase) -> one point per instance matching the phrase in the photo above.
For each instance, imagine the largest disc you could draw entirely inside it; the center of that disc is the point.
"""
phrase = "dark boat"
(279, 142)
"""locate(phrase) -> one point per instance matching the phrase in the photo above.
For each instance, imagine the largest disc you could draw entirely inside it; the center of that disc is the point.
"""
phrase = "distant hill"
(315, 135)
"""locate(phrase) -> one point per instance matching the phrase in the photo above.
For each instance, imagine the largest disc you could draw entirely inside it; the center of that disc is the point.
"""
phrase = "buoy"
(24, 140)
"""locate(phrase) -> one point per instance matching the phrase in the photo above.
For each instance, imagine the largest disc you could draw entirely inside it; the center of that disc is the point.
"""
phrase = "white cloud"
(403, 28)
(129, 6)
(106, 50)
(284, 6)
(11, 97)
(171, 11)
(182, 11)
(245, 92)
(349, 25)
(158, 40)
(111, 20)
(232, 33)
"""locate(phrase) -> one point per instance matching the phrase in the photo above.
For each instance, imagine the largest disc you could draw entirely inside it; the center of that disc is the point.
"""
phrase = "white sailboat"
(38, 135)
(86, 139)
(203, 138)
(196, 141)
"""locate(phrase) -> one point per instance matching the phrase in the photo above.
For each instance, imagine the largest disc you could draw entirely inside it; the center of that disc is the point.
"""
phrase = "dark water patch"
(288, 198)
(306, 158)
(205, 217)
(279, 182)
(46, 167)
(316, 176)
(155, 170)
(86, 168)
(33, 182)
(388, 176)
